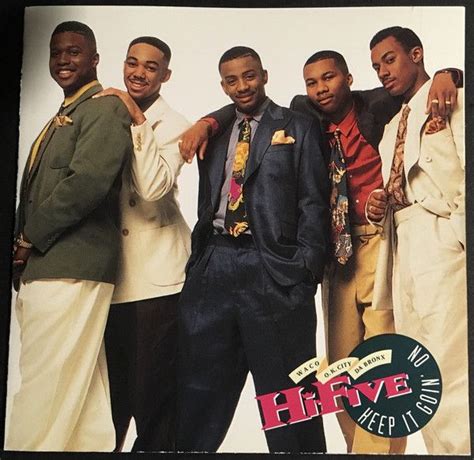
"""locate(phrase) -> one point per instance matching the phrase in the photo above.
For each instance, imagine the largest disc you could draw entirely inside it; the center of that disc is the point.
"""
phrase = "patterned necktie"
(236, 217)
(340, 228)
(395, 187)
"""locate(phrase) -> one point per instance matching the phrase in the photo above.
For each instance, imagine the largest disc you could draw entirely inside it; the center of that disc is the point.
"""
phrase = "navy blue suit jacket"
(286, 190)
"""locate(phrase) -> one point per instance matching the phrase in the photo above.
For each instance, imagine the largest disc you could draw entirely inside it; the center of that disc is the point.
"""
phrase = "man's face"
(144, 70)
(72, 61)
(327, 86)
(244, 80)
(396, 69)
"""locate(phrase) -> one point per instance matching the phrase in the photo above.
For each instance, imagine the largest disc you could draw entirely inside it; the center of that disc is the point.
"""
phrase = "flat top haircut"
(329, 54)
(153, 41)
(237, 52)
(77, 28)
(406, 37)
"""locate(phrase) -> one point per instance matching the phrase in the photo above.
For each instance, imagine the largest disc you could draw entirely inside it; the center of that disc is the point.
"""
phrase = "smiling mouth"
(245, 98)
(137, 84)
(64, 73)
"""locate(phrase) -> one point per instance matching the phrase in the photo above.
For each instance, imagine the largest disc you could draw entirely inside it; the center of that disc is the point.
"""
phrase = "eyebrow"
(385, 54)
(325, 74)
(147, 62)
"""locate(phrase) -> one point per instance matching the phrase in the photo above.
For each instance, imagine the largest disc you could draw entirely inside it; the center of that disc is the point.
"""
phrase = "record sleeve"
(285, 34)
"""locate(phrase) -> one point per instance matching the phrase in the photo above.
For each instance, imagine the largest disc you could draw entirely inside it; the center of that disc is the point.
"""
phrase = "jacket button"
(132, 202)
(428, 159)
(125, 232)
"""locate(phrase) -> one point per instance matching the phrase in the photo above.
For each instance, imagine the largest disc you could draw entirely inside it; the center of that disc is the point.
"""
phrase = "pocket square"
(433, 125)
(62, 120)
(280, 138)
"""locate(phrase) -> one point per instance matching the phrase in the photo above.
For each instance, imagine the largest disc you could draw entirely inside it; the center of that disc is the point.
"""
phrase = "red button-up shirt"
(363, 165)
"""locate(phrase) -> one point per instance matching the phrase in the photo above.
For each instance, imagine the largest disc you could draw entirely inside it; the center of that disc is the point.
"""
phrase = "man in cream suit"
(141, 332)
(422, 208)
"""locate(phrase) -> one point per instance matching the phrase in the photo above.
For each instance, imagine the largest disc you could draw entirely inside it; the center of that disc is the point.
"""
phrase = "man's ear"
(166, 76)
(349, 79)
(95, 60)
(265, 77)
(416, 54)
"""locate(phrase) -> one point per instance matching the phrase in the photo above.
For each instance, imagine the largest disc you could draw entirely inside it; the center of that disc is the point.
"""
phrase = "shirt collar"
(419, 98)
(258, 113)
(346, 124)
(70, 99)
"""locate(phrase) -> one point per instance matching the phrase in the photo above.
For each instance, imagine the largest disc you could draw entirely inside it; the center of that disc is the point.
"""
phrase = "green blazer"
(69, 199)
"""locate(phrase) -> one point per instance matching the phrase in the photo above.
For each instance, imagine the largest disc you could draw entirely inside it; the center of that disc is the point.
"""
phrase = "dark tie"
(339, 202)
(236, 217)
(395, 187)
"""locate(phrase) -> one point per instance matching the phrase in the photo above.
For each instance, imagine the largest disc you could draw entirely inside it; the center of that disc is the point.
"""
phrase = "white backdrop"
(284, 38)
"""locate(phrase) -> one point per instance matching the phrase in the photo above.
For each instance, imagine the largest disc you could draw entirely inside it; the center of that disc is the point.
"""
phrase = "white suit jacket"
(434, 166)
(155, 236)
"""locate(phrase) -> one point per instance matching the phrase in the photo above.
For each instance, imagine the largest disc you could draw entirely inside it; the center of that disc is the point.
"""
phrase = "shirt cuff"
(212, 122)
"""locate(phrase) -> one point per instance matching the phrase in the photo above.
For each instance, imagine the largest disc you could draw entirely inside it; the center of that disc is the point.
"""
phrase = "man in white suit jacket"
(141, 333)
(423, 213)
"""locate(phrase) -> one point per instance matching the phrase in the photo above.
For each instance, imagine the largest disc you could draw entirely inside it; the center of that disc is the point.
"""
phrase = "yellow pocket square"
(280, 138)
(62, 120)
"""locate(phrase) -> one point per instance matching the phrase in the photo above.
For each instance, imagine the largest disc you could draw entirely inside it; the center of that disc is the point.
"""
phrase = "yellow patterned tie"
(236, 217)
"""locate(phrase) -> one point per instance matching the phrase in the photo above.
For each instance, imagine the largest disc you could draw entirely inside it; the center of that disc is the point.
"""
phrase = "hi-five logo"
(390, 385)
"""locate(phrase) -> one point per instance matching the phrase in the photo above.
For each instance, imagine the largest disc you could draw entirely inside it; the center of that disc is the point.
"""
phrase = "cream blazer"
(155, 237)
(434, 164)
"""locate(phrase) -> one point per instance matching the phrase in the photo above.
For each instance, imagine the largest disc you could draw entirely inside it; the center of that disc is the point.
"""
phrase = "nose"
(139, 71)
(383, 72)
(322, 88)
(242, 85)
(63, 58)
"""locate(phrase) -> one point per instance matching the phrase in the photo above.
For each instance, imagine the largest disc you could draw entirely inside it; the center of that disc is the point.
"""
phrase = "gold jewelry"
(434, 101)
(20, 242)
(447, 102)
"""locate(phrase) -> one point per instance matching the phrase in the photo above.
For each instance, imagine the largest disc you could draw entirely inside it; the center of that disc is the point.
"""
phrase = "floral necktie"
(236, 221)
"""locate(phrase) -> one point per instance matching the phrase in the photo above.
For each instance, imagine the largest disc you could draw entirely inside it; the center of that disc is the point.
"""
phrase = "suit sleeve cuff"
(213, 125)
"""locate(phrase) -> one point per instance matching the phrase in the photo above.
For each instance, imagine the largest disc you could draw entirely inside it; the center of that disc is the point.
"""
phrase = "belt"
(365, 229)
(229, 241)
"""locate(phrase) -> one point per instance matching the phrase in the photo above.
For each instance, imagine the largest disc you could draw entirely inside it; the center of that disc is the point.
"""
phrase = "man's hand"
(442, 96)
(20, 257)
(376, 205)
(194, 139)
(135, 112)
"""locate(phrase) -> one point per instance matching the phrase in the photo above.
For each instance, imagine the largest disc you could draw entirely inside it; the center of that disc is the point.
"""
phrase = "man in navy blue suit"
(258, 251)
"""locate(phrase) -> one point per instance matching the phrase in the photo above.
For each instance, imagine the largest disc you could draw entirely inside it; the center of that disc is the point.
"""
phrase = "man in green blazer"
(65, 258)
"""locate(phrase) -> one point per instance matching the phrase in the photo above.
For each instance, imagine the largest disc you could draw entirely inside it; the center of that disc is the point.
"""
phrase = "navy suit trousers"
(234, 318)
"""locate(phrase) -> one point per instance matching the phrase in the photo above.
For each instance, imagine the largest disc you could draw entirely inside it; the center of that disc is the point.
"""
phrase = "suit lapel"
(367, 127)
(273, 119)
(216, 161)
(44, 143)
(51, 130)
(416, 121)
(157, 111)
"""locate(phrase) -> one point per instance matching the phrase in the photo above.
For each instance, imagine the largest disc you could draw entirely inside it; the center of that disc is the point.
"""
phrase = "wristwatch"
(21, 243)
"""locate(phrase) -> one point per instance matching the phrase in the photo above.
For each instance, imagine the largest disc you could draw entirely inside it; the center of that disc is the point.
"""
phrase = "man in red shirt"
(355, 120)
